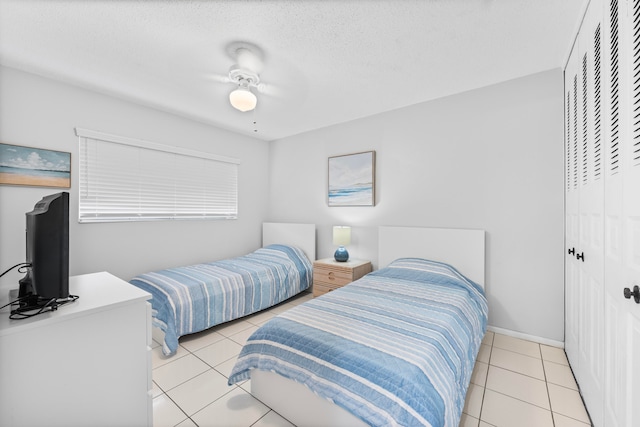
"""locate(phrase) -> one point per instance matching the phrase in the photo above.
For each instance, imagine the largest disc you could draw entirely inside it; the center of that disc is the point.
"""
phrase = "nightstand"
(329, 274)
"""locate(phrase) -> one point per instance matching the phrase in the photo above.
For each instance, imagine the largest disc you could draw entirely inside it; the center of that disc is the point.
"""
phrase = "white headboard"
(463, 249)
(302, 236)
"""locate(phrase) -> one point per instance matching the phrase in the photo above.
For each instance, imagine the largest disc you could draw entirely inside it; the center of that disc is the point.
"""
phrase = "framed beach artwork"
(352, 179)
(34, 166)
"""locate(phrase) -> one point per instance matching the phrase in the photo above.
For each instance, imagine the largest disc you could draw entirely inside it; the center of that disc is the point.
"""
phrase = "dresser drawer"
(332, 276)
(320, 288)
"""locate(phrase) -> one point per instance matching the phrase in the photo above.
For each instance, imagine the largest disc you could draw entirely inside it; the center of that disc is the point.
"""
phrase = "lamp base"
(341, 254)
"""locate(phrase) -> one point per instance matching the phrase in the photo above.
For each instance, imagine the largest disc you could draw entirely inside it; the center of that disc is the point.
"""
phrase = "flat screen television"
(47, 241)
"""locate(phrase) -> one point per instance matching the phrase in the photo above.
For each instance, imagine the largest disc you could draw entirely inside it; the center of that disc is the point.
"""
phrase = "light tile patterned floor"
(515, 383)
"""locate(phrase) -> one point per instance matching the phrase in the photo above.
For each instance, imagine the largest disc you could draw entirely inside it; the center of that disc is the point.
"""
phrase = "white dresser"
(87, 363)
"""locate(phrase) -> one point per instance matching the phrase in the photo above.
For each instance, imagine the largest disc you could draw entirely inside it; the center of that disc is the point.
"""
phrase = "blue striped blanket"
(194, 298)
(396, 347)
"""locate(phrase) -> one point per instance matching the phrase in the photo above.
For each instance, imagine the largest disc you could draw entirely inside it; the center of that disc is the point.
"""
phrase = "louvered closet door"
(631, 213)
(615, 329)
(572, 210)
(592, 218)
(622, 213)
(586, 265)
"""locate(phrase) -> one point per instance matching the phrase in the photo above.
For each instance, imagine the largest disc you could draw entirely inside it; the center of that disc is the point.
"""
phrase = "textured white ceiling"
(325, 62)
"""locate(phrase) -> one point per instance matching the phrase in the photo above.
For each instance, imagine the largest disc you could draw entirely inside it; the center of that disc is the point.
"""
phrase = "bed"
(193, 298)
(396, 347)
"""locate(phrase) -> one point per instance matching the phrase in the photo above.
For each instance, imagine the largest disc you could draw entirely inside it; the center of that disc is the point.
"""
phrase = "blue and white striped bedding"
(396, 347)
(194, 298)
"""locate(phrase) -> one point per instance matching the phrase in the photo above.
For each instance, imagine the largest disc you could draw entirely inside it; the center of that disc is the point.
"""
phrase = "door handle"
(635, 293)
(580, 256)
(572, 251)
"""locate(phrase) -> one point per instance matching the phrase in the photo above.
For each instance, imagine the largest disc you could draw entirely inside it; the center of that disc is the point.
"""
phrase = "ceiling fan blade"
(220, 78)
(269, 90)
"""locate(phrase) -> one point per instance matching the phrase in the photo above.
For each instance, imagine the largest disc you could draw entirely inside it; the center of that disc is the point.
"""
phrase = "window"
(125, 179)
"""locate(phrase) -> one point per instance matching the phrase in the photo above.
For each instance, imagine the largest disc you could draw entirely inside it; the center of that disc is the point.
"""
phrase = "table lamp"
(341, 237)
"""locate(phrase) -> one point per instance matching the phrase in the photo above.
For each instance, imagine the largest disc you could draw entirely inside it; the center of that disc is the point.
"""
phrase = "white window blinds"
(125, 179)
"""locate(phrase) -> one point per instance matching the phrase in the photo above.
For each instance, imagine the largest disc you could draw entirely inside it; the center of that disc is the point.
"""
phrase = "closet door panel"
(590, 252)
(632, 371)
(615, 358)
(631, 214)
(622, 209)
(615, 325)
(572, 212)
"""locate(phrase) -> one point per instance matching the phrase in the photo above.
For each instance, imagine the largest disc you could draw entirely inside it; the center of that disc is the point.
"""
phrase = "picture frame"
(35, 167)
(351, 179)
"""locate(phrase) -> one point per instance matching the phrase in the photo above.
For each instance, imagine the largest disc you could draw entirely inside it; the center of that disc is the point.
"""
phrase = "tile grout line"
(165, 392)
(518, 372)
(578, 390)
(193, 353)
(546, 381)
(258, 420)
(209, 404)
(546, 386)
(484, 389)
(177, 406)
(515, 398)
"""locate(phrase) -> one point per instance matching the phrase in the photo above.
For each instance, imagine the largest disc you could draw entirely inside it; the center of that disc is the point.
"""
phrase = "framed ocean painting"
(352, 179)
(34, 166)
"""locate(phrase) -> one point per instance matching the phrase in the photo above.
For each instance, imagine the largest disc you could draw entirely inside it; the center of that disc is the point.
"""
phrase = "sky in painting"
(347, 171)
(14, 156)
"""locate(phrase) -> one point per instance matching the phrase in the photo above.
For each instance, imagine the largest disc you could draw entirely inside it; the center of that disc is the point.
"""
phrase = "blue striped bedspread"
(395, 348)
(193, 298)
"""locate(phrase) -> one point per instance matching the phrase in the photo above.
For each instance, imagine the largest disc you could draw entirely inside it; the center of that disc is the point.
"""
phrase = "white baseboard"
(539, 340)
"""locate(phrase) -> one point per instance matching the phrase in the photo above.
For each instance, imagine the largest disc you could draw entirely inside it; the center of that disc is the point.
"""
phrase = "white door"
(622, 217)
(630, 272)
(589, 256)
(631, 211)
(572, 206)
(592, 210)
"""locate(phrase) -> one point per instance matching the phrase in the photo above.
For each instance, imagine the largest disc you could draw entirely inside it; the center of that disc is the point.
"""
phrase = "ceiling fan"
(245, 73)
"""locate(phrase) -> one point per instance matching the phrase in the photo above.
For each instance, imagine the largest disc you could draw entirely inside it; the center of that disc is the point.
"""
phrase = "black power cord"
(32, 305)
(41, 305)
(20, 268)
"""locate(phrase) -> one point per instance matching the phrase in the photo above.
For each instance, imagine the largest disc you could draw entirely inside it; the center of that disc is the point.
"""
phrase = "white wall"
(487, 159)
(43, 113)
(490, 159)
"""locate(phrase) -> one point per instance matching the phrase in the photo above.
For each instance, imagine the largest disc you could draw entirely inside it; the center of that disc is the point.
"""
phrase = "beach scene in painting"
(351, 180)
(34, 166)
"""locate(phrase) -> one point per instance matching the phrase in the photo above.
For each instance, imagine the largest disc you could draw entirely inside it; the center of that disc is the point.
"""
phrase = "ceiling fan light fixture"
(243, 99)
